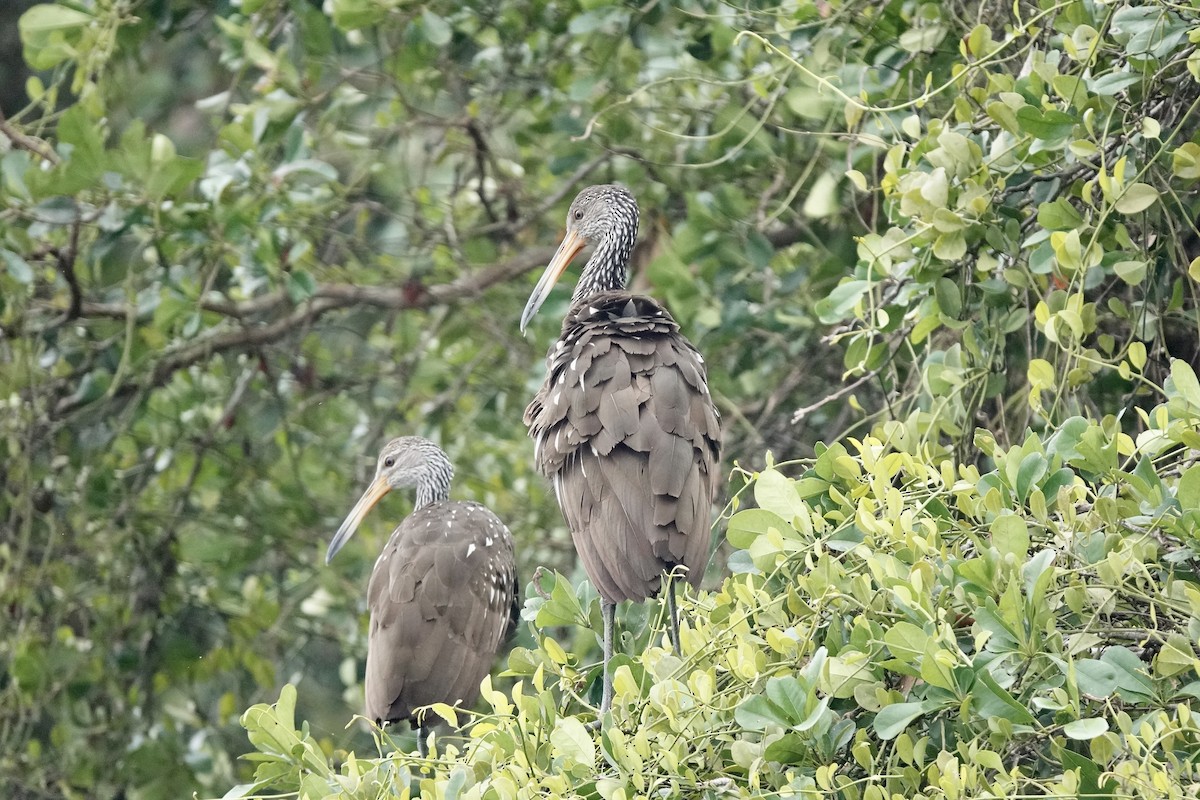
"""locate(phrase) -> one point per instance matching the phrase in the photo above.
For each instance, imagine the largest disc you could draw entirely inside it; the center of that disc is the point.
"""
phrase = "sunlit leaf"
(1085, 728)
(1136, 198)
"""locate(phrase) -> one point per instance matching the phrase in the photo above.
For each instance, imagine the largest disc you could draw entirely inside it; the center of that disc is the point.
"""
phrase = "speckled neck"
(608, 268)
(433, 485)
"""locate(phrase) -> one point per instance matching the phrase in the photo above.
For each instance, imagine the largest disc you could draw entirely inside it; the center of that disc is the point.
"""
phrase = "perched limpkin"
(442, 594)
(624, 424)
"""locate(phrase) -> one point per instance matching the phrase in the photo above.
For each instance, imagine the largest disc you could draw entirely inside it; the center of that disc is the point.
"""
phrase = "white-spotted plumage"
(438, 616)
(635, 447)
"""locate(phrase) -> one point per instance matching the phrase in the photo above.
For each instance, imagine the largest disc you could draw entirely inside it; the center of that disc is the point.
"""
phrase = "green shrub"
(895, 627)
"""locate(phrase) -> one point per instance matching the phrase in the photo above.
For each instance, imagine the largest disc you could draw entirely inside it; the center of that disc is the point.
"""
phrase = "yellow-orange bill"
(572, 243)
(378, 488)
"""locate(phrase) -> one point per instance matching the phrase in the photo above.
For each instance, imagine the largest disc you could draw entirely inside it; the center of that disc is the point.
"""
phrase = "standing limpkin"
(442, 594)
(624, 424)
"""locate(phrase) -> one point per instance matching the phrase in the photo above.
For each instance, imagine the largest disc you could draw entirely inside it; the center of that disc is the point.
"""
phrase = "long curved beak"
(378, 488)
(572, 243)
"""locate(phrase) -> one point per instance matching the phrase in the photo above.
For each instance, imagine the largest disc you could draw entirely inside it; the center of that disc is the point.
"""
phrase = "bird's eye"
(578, 214)
(389, 462)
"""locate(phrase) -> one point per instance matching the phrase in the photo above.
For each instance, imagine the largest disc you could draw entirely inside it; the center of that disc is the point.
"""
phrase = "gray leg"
(674, 611)
(422, 747)
(609, 611)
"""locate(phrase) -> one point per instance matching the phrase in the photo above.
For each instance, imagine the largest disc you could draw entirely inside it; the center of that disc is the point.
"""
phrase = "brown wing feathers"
(440, 598)
(626, 428)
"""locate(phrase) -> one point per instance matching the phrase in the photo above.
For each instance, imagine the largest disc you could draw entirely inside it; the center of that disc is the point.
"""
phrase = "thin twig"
(801, 413)
(27, 142)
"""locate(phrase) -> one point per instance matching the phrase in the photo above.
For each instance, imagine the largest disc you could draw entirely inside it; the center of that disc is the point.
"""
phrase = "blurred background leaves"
(243, 242)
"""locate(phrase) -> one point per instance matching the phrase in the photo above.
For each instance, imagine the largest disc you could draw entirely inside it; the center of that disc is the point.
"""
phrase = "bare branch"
(801, 413)
(26, 142)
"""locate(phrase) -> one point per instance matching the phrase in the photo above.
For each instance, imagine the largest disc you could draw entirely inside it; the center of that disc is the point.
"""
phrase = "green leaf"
(891, 720)
(1032, 469)
(1132, 272)
(995, 701)
(443, 711)
(1187, 490)
(285, 707)
(1010, 535)
(791, 748)
(820, 710)
(1089, 776)
(460, 776)
(950, 247)
(1050, 124)
(1064, 441)
(789, 696)
(312, 166)
(1040, 373)
(1096, 679)
(1133, 683)
(1059, 215)
(1084, 729)
(1176, 656)
(978, 43)
(746, 526)
(50, 32)
(355, 14)
(17, 267)
(562, 608)
(1184, 381)
(571, 739)
(906, 641)
(774, 491)
(1136, 198)
(1037, 571)
(272, 729)
(48, 17)
(301, 285)
(1111, 83)
(1069, 88)
(937, 664)
(922, 39)
(949, 298)
(57, 211)
(756, 713)
(841, 300)
(1004, 116)
(1185, 161)
(437, 30)
(1147, 32)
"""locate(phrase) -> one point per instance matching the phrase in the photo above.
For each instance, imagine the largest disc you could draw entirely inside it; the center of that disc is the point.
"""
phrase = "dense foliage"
(241, 242)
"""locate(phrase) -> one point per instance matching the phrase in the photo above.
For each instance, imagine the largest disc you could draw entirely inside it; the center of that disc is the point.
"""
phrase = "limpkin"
(442, 594)
(624, 425)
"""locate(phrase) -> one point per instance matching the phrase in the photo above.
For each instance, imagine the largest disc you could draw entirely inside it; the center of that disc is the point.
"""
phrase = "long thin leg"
(422, 746)
(609, 612)
(674, 611)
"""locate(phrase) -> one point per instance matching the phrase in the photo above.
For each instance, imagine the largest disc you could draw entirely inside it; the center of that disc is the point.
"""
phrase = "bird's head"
(404, 462)
(604, 215)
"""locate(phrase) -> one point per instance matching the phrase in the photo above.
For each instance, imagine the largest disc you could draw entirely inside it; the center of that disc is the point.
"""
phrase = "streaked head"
(404, 462)
(606, 216)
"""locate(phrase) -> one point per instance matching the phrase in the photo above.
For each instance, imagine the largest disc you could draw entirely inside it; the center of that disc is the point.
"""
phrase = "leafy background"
(941, 260)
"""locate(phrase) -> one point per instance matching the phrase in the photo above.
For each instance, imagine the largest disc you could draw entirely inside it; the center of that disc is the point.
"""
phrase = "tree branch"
(801, 413)
(328, 297)
(66, 266)
(27, 142)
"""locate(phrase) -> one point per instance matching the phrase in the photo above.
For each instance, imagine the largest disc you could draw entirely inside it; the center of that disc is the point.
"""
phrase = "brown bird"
(442, 595)
(624, 424)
